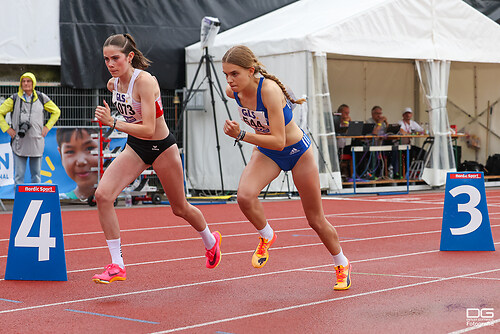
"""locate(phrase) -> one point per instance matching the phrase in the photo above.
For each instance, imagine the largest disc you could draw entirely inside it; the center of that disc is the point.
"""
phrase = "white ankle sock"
(208, 238)
(115, 249)
(267, 232)
(340, 259)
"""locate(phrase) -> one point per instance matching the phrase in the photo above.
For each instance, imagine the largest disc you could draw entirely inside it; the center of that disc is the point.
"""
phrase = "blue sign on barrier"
(36, 245)
(466, 224)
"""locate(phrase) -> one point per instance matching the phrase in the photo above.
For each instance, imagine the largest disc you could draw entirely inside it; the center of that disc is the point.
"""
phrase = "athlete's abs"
(292, 133)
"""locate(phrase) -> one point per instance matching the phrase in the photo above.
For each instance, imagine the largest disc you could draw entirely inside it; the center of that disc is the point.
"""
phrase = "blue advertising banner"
(67, 161)
(6, 167)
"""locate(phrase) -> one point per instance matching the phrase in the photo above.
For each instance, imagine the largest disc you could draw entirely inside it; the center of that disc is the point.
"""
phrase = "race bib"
(257, 120)
(123, 103)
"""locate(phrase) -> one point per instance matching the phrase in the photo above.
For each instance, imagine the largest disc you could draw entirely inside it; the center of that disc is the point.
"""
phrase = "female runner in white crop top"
(147, 129)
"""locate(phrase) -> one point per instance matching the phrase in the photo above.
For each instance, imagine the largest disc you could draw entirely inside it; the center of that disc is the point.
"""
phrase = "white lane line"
(251, 251)
(242, 252)
(250, 315)
(211, 282)
(472, 328)
(280, 231)
(403, 276)
(211, 224)
(400, 220)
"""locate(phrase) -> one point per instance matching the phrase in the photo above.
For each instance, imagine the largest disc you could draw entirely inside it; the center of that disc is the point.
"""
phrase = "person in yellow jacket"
(27, 130)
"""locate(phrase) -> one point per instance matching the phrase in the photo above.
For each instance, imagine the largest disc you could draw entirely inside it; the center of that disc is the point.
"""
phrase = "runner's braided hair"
(126, 43)
(242, 56)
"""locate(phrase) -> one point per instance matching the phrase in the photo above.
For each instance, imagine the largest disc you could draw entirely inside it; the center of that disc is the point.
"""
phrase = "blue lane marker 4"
(466, 223)
(36, 245)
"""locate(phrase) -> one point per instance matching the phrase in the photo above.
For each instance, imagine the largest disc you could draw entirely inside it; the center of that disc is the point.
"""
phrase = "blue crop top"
(258, 119)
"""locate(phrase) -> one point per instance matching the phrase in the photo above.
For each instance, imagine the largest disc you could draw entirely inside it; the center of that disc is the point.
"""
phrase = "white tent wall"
(35, 39)
(434, 76)
(471, 87)
(362, 84)
(320, 127)
(202, 167)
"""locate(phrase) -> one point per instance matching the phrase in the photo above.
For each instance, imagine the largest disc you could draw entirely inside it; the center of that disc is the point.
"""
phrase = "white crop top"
(127, 106)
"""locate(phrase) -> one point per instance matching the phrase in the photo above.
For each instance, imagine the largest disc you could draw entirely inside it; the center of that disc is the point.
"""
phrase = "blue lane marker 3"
(36, 245)
(466, 223)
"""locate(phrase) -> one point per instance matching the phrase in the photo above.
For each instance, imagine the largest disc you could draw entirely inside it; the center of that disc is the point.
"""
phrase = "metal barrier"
(78, 105)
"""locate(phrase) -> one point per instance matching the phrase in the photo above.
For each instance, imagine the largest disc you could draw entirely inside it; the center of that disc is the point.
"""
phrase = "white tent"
(29, 32)
(297, 42)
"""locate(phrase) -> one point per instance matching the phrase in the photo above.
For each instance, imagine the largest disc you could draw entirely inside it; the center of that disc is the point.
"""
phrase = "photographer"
(27, 131)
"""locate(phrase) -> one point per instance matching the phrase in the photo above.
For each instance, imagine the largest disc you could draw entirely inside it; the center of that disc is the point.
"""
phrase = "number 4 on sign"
(43, 242)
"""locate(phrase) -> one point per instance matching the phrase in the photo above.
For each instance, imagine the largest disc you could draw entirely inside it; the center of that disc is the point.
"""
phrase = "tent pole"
(488, 118)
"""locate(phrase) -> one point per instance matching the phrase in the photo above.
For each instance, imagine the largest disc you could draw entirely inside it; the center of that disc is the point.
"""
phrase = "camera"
(23, 127)
(209, 28)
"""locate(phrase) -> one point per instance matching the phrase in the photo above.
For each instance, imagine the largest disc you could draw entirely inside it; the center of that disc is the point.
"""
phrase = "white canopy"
(409, 29)
(291, 41)
(29, 32)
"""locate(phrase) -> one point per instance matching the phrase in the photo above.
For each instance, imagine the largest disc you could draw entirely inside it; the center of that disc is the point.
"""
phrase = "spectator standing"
(28, 131)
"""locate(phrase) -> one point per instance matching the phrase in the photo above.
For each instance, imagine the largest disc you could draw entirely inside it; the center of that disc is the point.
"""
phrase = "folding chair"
(417, 165)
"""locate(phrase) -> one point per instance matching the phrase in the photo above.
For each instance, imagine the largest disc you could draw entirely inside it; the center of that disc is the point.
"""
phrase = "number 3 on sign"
(476, 217)
(43, 242)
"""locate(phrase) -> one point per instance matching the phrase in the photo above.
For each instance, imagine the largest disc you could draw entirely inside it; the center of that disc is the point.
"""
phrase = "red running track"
(402, 283)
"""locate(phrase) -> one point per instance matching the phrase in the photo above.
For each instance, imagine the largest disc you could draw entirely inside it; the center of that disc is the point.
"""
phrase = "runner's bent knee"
(246, 197)
(103, 196)
(181, 210)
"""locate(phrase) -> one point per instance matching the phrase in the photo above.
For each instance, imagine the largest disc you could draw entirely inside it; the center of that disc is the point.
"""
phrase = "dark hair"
(63, 135)
(341, 107)
(376, 107)
(126, 44)
(242, 56)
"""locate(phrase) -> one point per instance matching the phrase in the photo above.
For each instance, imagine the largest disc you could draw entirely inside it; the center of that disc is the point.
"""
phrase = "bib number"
(123, 105)
(255, 119)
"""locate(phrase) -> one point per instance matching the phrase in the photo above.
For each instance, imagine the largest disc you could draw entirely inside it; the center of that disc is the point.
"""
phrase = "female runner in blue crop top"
(136, 94)
(264, 105)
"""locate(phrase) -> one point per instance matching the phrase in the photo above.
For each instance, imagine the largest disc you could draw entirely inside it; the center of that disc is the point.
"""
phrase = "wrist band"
(110, 130)
(240, 136)
(379, 124)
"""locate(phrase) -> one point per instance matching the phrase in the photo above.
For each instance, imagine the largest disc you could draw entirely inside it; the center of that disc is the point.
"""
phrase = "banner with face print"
(70, 160)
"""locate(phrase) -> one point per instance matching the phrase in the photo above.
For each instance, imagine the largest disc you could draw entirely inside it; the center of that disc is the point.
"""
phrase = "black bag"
(493, 164)
(470, 166)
